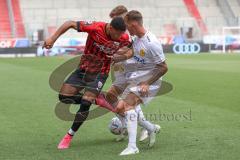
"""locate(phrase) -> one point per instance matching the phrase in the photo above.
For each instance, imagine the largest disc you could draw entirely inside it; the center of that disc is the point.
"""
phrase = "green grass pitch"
(203, 113)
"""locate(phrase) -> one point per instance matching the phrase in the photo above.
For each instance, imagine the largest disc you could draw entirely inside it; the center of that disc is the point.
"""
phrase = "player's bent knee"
(76, 99)
(120, 107)
(65, 99)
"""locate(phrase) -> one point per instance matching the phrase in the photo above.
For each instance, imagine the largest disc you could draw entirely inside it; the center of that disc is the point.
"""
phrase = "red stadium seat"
(193, 10)
(5, 25)
(20, 30)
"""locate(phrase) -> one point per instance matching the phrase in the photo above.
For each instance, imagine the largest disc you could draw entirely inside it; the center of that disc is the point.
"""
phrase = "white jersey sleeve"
(156, 51)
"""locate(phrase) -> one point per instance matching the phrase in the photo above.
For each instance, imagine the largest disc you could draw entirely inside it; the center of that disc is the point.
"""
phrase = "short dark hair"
(134, 16)
(118, 24)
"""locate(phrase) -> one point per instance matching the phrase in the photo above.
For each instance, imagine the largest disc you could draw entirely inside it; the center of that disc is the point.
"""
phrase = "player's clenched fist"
(48, 43)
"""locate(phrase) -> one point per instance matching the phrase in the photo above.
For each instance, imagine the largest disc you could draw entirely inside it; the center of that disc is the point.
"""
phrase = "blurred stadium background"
(200, 117)
(213, 24)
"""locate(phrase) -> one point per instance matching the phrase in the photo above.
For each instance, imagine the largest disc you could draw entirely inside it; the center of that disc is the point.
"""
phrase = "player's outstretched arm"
(48, 43)
(123, 54)
(159, 70)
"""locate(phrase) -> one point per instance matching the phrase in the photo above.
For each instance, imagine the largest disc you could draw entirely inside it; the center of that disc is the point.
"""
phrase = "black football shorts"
(93, 82)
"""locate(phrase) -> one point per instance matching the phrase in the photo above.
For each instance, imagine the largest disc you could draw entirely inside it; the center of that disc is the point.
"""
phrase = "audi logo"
(186, 48)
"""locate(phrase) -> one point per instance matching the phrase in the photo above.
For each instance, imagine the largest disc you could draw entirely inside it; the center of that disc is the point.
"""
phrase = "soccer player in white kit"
(144, 77)
(135, 76)
(120, 83)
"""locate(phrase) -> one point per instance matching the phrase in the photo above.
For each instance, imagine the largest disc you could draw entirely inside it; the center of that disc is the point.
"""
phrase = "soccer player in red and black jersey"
(104, 40)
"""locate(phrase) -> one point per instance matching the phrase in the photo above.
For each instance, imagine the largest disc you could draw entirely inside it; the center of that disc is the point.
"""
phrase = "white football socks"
(131, 117)
(142, 120)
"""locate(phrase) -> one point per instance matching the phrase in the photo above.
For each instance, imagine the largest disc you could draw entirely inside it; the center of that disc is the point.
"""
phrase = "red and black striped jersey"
(98, 46)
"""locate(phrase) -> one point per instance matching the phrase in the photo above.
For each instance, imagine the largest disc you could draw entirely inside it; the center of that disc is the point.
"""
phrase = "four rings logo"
(186, 48)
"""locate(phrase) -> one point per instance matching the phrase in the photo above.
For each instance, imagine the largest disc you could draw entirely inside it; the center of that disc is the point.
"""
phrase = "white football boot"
(152, 135)
(143, 135)
(129, 151)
